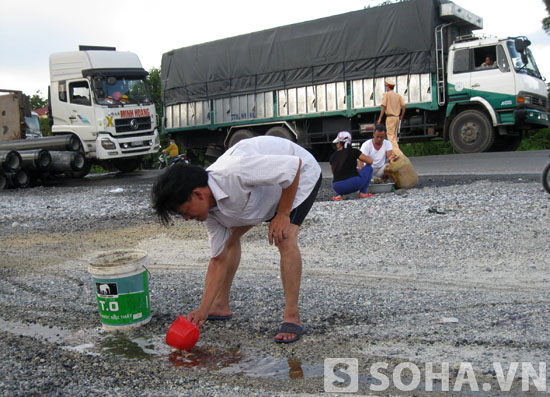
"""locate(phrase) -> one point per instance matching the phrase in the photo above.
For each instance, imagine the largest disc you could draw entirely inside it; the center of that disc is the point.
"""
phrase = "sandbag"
(402, 172)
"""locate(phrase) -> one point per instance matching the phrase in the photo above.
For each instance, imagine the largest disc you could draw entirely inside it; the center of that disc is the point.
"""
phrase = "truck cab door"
(74, 111)
(493, 82)
(458, 78)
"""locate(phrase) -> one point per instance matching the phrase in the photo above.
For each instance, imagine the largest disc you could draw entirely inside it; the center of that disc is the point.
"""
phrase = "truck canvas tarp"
(397, 39)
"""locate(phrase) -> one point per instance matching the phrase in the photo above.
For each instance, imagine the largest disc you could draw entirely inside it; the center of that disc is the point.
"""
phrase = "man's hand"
(278, 229)
(197, 317)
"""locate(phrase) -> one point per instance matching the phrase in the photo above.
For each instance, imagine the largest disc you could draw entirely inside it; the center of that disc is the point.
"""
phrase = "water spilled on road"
(97, 342)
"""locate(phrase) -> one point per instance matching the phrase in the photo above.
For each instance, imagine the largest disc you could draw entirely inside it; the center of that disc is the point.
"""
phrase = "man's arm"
(278, 226)
(381, 114)
(215, 276)
(390, 156)
(365, 159)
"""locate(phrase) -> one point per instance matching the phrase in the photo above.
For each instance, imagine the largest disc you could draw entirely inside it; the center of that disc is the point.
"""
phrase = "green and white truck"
(310, 80)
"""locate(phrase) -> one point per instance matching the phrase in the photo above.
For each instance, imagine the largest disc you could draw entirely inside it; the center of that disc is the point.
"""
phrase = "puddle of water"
(78, 341)
(97, 342)
(142, 348)
(234, 361)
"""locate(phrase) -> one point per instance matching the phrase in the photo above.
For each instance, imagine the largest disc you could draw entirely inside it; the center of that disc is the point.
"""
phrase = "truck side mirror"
(97, 82)
(519, 44)
(524, 59)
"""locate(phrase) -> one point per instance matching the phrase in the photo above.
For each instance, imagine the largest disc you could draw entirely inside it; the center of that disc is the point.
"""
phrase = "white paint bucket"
(121, 284)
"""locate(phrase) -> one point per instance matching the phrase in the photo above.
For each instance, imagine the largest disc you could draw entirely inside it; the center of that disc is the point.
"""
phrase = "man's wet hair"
(380, 128)
(174, 187)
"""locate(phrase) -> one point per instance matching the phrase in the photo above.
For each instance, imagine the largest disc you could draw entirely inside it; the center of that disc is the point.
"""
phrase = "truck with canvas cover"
(101, 96)
(310, 80)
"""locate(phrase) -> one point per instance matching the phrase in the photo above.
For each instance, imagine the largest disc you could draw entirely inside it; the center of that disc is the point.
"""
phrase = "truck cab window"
(79, 93)
(62, 91)
(461, 61)
(502, 60)
(485, 58)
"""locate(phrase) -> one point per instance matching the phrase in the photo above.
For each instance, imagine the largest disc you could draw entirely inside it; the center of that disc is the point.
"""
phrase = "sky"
(30, 30)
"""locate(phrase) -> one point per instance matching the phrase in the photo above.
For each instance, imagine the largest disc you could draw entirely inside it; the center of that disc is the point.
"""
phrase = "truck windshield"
(120, 91)
(33, 127)
(520, 67)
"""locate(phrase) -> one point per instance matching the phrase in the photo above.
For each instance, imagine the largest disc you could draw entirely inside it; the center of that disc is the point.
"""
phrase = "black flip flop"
(219, 318)
(290, 328)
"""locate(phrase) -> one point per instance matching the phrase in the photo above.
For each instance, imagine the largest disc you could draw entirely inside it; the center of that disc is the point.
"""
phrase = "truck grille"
(539, 101)
(133, 124)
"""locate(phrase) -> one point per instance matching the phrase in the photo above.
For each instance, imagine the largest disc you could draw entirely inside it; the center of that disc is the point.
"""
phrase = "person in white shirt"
(379, 149)
(257, 180)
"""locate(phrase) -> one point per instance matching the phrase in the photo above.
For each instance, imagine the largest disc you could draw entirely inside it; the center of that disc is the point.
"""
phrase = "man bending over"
(259, 179)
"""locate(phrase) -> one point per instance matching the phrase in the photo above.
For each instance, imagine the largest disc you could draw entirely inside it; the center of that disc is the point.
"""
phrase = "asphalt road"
(441, 169)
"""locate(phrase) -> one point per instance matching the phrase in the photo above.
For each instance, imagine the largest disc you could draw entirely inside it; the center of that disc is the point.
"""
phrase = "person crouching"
(343, 163)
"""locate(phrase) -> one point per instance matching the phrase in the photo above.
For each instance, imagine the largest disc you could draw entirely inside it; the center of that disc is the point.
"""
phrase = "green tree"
(546, 21)
(37, 101)
(153, 80)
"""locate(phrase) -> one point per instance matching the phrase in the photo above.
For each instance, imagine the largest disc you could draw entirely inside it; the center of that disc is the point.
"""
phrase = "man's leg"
(232, 256)
(291, 274)
(291, 262)
(392, 124)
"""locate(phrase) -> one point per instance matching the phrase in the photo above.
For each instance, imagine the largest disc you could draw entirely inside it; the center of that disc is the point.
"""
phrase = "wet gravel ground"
(451, 271)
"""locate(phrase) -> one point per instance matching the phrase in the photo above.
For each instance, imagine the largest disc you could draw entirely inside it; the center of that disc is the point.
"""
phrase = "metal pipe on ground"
(10, 160)
(56, 142)
(39, 159)
(66, 161)
(19, 179)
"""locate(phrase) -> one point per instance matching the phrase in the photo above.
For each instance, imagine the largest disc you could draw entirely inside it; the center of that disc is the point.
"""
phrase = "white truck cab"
(101, 96)
(498, 83)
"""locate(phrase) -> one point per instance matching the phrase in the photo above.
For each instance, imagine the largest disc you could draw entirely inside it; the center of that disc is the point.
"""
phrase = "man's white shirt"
(247, 182)
(378, 156)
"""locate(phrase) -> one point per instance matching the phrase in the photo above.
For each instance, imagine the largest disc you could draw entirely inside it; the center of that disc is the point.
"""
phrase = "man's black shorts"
(299, 213)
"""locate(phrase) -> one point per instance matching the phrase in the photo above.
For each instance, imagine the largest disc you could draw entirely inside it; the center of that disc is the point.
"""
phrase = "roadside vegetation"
(537, 140)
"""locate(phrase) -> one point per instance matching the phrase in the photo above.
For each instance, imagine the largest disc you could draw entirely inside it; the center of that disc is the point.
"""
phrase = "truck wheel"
(281, 132)
(506, 143)
(546, 178)
(127, 164)
(471, 132)
(239, 135)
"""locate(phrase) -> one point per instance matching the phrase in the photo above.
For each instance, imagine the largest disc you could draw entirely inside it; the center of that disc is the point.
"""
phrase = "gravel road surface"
(445, 274)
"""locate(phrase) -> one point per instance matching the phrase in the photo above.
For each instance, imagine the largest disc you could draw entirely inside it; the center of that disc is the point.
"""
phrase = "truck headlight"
(523, 99)
(107, 144)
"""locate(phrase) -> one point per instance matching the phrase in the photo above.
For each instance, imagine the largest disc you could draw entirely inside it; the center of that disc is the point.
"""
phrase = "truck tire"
(239, 135)
(3, 181)
(546, 178)
(471, 132)
(281, 132)
(506, 143)
(127, 164)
